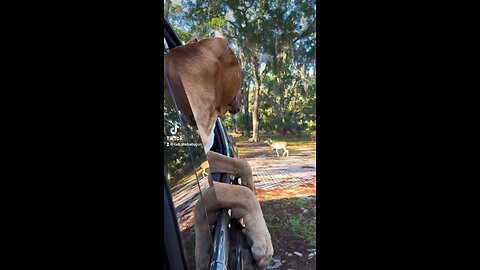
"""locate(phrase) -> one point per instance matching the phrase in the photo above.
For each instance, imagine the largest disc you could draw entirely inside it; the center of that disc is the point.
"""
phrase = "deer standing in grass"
(277, 146)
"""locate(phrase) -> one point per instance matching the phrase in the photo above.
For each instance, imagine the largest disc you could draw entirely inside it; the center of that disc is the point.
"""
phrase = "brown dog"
(205, 77)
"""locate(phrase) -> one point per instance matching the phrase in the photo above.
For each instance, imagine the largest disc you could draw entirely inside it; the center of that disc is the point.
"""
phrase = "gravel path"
(283, 177)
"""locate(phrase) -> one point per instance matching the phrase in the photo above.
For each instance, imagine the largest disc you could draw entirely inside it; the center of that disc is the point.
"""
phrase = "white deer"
(277, 146)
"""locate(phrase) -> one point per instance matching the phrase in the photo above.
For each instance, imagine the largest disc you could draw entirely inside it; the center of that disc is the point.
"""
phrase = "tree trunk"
(247, 123)
(303, 77)
(245, 92)
(257, 78)
(256, 91)
(282, 109)
(167, 8)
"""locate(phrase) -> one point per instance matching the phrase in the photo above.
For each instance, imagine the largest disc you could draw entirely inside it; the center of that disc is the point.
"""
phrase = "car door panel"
(187, 173)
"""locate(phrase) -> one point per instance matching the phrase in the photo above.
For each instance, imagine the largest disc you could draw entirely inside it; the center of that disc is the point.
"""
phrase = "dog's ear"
(193, 40)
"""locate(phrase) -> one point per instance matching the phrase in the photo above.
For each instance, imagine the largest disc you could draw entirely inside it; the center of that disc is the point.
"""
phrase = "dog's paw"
(250, 185)
(261, 247)
(247, 177)
(262, 253)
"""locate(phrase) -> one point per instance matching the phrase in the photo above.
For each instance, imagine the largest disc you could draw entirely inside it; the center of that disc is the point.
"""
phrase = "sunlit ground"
(288, 199)
(302, 155)
(303, 190)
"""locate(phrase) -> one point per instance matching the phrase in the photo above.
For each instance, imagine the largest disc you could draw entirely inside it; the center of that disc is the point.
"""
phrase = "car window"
(165, 46)
(186, 167)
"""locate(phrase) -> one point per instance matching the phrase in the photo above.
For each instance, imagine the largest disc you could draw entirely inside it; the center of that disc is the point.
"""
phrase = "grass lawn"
(304, 138)
(292, 225)
(289, 215)
(294, 144)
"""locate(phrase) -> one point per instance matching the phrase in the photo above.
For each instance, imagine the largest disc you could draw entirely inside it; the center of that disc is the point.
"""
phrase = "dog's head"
(225, 71)
(206, 78)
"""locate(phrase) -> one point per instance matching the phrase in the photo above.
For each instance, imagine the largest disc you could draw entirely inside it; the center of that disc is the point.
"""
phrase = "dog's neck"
(205, 116)
(210, 140)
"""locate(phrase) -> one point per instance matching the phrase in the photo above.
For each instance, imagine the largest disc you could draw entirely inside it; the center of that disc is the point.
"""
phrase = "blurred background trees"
(275, 42)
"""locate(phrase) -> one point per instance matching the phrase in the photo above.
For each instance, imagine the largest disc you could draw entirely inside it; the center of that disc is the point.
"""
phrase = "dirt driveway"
(286, 189)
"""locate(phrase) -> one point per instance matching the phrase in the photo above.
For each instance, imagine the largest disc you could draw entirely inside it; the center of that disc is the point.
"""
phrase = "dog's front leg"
(244, 204)
(223, 164)
(203, 240)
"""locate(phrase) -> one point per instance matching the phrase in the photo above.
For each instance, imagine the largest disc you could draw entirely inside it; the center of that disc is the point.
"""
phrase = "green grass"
(294, 144)
(304, 227)
(305, 136)
(281, 216)
(286, 215)
(293, 139)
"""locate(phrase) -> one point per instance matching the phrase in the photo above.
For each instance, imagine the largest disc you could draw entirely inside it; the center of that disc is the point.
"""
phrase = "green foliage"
(183, 35)
(216, 23)
(239, 122)
(177, 18)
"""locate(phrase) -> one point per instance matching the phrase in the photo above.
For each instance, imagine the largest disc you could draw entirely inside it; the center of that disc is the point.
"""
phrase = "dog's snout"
(236, 104)
(235, 107)
(234, 110)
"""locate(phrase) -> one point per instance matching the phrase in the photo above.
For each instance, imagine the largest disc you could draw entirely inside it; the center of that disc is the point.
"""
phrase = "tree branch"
(289, 97)
(310, 30)
(233, 24)
(167, 8)
(268, 65)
